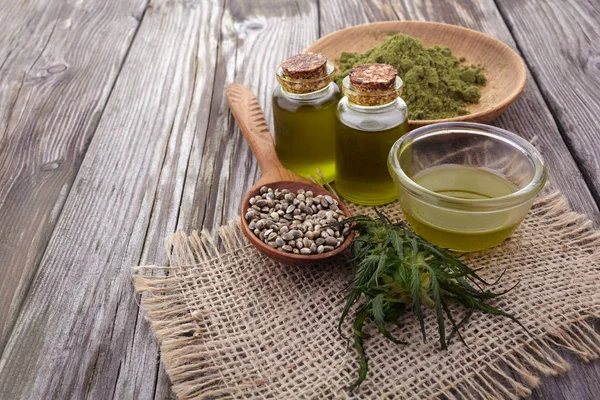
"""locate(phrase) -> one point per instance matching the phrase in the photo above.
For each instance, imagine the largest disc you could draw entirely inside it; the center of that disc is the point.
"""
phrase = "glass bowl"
(465, 186)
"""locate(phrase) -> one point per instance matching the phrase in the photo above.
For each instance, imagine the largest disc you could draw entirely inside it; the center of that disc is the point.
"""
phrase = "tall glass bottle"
(304, 108)
(370, 118)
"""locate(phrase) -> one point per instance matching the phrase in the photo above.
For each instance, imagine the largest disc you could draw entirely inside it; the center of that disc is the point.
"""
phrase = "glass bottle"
(304, 107)
(370, 118)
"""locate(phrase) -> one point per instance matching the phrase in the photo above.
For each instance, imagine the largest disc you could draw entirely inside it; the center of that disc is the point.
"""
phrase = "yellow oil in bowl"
(462, 230)
(465, 186)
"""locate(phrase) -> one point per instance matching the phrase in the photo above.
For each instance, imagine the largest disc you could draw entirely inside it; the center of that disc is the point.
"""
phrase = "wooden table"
(114, 133)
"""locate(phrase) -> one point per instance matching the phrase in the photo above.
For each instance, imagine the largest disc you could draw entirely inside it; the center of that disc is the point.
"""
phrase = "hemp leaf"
(397, 271)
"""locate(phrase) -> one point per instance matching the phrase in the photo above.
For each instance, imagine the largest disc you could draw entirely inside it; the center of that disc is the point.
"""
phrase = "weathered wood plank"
(561, 43)
(256, 37)
(214, 190)
(58, 64)
(80, 333)
(221, 167)
(141, 371)
(529, 117)
(186, 134)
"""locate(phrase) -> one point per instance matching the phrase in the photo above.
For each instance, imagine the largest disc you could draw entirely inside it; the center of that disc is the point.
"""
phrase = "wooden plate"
(505, 70)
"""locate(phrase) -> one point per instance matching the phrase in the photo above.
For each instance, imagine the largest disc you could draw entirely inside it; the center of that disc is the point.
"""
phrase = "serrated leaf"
(396, 271)
(379, 318)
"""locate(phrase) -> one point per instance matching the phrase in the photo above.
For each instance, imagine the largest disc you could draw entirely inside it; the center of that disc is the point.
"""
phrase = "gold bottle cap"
(305, 73)
(372, 84)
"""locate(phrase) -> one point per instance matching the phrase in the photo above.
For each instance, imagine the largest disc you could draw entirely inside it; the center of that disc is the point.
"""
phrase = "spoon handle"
(251, 120)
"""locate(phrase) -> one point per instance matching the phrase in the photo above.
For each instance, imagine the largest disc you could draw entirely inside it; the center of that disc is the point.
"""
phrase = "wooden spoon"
(252, 123)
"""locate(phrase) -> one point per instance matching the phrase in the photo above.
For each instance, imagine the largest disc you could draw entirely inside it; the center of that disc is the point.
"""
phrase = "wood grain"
(256, 37)
(251, 121)
(141, 374)
(58, 64)
(79, 334)
(561, 40)
(529, 117)
(166, 155)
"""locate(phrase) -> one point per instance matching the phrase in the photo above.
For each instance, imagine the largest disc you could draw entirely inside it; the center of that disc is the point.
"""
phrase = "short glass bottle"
(304, 119)
(368, 123)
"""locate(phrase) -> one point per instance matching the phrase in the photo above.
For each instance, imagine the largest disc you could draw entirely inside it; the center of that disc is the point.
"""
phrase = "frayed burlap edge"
(511, 376)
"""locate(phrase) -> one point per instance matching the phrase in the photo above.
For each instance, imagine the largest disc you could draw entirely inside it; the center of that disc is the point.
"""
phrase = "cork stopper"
(372, 84)
(305, 66)
(373, 77)
(305, 73)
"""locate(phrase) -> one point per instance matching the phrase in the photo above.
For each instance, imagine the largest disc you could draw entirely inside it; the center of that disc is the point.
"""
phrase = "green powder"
(436, 86)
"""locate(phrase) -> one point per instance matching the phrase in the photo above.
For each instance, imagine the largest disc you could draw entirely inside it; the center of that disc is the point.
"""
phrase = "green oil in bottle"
(461, 230)
(361, 162)
(371, 118)
(305, 133)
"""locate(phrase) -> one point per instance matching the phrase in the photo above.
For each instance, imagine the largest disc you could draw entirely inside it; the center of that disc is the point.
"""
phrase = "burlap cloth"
(231, 323)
